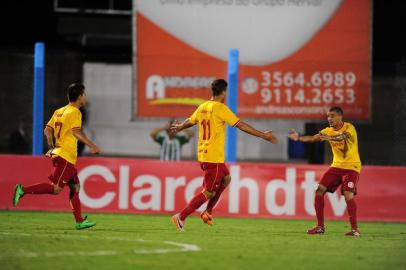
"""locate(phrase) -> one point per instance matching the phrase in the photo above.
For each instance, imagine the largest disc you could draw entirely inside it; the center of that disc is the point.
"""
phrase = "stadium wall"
(257, 190)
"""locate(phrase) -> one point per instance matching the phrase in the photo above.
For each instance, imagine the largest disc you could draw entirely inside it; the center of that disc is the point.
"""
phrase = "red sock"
(75, 205)
(42, 188)
(352, 213)
(213, 201)
(194, 204)
(319, 206)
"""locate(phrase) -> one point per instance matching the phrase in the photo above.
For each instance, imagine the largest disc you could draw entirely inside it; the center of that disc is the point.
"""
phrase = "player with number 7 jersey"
(212, 117)
(63, 122)
(62, 133)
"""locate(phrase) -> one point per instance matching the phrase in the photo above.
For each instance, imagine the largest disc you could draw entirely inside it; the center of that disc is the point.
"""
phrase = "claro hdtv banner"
(297, 57)
(256, 190)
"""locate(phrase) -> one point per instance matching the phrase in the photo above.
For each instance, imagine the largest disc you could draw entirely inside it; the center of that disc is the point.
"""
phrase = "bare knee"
(226, 180)
(77, 188)
(209, 194)
(321, 190)
(57, 189)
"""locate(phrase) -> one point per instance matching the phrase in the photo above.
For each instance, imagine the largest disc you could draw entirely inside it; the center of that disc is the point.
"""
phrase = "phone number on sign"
(317, 79)
(312, 96)
(318, 88)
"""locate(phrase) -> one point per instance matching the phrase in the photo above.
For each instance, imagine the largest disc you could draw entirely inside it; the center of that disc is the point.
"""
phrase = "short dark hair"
(74, 91)
(337, 110)
(218, 86)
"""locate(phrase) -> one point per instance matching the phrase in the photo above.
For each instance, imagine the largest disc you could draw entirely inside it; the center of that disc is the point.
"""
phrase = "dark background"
(78, 31)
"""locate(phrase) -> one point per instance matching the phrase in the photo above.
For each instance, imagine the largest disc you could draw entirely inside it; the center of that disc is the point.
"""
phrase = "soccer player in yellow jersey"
(344, 170)
(212, 117)
(62, 132)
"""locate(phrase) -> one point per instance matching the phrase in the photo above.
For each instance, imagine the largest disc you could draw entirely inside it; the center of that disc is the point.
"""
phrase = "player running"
(212, 116)
(344, 170)
(66, 126)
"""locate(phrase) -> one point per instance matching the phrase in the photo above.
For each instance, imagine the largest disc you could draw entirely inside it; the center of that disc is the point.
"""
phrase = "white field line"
(176, 247)
(32, 254)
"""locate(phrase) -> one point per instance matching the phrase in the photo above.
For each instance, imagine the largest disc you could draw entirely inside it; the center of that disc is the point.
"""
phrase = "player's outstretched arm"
(267, 135)
(293, 135)
(337, 138)
(176, 127)
(94, 149)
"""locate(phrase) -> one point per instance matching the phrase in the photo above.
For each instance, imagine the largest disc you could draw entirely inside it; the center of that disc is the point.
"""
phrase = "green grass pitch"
(41, 240)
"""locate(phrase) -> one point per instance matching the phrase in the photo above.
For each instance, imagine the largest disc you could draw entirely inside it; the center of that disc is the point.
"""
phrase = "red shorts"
(334, 177)
(213, 175)
(64, 172)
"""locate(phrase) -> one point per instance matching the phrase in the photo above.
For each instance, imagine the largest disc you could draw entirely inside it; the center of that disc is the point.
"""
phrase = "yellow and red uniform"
(345, 152)
(212, 117)
(344, 171)
(346, 165)
(63, 121)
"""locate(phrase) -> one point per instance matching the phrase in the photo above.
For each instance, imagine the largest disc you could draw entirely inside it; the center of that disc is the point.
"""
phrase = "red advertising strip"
(331, 69)
(256, 190)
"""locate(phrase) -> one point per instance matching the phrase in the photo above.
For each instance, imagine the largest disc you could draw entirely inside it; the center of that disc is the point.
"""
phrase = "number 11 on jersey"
(206, 129)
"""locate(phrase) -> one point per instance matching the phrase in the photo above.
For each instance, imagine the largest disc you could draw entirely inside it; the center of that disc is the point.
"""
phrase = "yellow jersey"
(345, 153)
(63, 121)
(212, 116)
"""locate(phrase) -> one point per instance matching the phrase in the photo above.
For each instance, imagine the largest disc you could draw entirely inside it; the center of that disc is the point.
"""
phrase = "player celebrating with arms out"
(344, 170)
(66, 126)
(212, 116)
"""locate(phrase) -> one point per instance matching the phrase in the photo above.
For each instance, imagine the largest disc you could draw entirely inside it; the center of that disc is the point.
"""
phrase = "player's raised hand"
(270, 137)
(293, 135)
(175, 126)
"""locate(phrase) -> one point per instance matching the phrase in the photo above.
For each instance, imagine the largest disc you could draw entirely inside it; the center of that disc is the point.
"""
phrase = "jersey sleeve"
(75, 120)
(193, 119)
(51, 122)
(228, 116)
(352, 132)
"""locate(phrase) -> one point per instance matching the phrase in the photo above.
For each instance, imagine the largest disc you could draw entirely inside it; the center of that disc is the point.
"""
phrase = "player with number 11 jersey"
(212, 117)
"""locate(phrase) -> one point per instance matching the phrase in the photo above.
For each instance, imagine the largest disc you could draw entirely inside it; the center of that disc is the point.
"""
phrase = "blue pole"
(232, 102)
(38, 100)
